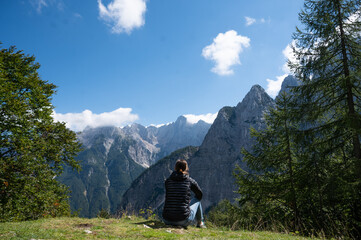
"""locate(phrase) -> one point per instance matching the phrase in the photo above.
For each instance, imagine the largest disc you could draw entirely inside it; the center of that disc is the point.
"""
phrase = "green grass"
(125, 228)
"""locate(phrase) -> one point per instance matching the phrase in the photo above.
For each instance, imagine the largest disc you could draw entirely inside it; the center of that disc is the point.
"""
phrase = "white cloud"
(78, 121)
(123, 15)
(225, 50)
(274, 86)
(208, 118)
(288, 54)
(160, 125)
(250, 21)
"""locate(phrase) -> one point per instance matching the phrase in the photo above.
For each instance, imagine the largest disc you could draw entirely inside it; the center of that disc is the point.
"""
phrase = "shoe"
(201, 225)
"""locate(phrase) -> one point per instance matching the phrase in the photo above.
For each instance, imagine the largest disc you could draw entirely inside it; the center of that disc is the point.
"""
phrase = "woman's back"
(178, 196)
(179, 208)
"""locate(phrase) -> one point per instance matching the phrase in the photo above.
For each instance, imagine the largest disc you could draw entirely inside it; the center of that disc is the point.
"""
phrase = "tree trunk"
(293, 190)
(350, 101)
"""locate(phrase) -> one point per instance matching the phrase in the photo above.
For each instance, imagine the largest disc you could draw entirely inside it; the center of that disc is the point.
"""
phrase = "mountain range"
(212, 165)
(121, 167)
(113, 157)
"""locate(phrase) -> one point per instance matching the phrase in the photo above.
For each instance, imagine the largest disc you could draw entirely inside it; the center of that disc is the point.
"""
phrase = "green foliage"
(148, 213)
(247, 217)
(329, 108)
(225, 214)
(304, 172)
(33, 148)
(103, 213)
(328, 62)
(269, 189)
(290, 185)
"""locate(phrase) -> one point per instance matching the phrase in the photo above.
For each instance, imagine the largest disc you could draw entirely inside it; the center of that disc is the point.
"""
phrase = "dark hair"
(181, 166)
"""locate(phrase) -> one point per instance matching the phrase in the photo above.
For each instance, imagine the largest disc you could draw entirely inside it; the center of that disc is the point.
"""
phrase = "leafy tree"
(33, 148)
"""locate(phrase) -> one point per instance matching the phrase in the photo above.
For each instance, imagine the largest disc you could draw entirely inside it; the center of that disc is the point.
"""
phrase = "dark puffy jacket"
(178, 196)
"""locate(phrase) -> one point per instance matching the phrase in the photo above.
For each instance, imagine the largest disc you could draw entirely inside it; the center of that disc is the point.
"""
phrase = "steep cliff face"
(145, 152)
(220, 151)
(107, 171)
(213, 164)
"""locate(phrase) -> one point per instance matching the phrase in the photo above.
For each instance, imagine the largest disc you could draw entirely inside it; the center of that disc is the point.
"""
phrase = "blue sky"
(122, 61)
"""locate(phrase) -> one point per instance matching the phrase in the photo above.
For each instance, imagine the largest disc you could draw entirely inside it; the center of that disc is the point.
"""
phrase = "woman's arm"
(196, 189)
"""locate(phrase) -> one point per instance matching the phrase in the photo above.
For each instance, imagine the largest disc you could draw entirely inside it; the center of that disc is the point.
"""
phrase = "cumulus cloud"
(274, 86)
(78, 121)
(123, 15)
(288, 54)
(225, 50)
(208, 118)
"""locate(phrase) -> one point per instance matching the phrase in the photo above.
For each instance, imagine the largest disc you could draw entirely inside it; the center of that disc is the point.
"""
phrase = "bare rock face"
(162, 141)
(288, 83)
(108, 169)
(144, 152)
(213, 164)
(174, 136)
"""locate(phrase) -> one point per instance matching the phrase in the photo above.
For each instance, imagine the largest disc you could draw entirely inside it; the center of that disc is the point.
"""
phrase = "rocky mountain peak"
(181, 121)
(89, 135)
(254, 103)
(289, 82)
(257, 95)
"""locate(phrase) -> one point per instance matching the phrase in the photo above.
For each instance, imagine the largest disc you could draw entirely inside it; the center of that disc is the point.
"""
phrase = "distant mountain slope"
(107, 171)
(113, 157)
(170, 137)
(179, 134)
(213, 164)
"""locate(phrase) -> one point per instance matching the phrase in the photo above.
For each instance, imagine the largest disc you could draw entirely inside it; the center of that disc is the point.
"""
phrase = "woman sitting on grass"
(179, 208)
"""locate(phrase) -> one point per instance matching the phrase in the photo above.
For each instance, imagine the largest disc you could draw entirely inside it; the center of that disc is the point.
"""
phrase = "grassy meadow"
(125, 228)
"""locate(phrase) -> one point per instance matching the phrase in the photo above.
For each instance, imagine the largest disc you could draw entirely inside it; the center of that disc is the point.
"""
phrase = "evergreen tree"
(305, 168)
(270, 185)
(33, 148)
(328, 53)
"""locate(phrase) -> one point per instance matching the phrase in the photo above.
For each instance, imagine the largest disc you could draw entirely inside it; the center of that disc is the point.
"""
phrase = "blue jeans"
(195, 216)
